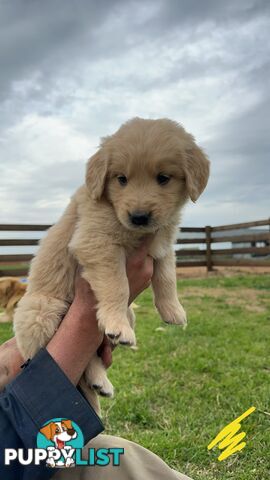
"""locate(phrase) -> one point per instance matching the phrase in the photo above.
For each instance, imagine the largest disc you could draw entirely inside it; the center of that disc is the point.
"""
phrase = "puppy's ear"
(7, 288)
(4, 292)
(96, 172)
(68, 424)
(197, 168)
(47, 431)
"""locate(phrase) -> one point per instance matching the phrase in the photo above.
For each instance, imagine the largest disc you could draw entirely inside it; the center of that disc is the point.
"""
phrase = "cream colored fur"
(11, 291)
(95, 231)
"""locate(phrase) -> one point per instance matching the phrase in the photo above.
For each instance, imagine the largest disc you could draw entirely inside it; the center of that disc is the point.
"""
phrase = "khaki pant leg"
(137, 463)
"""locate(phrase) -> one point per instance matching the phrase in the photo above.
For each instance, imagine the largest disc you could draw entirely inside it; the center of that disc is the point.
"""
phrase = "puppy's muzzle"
(140, 218)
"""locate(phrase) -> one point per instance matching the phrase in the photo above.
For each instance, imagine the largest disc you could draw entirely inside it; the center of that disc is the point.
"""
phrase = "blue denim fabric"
(38, 394)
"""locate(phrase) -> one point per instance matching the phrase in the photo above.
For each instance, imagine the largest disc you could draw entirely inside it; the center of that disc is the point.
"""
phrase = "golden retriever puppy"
(11, 291)
(136, 185)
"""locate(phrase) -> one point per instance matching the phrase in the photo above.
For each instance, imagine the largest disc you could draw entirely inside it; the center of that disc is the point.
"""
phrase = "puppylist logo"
(60, 438)
(59, 443)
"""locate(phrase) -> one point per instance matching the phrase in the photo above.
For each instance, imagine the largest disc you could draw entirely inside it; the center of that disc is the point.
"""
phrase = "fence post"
(208, 230)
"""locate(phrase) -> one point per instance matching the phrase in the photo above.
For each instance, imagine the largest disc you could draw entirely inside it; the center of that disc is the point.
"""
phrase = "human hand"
(10, 362)
(140, 268)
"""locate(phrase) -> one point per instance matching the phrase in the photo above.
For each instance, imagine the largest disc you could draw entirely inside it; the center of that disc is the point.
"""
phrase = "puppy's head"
(148, 169)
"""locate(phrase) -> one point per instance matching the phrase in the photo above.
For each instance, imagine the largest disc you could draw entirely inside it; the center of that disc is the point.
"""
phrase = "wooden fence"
(210, 256)
(203, 242)
(16, 264)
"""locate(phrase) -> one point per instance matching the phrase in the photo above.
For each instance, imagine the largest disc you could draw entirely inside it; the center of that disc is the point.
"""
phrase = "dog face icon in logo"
(57, 433)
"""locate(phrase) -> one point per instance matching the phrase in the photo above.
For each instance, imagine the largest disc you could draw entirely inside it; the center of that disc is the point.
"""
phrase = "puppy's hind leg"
(96, 377)
(36, 319)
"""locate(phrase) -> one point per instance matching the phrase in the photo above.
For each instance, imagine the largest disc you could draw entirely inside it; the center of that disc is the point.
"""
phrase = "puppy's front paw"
(173, 313)
(121, 333)
(118, 330)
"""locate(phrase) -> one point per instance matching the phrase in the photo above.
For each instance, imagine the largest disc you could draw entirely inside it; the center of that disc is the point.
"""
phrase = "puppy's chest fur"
(98, 227)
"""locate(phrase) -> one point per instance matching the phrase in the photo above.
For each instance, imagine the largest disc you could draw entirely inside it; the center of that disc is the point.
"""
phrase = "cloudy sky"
(72, 71)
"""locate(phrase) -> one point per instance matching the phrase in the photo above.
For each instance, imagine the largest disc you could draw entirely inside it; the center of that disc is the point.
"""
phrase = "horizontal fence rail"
(245, 245)
(17, 264)
(236, 226)
(22, 227)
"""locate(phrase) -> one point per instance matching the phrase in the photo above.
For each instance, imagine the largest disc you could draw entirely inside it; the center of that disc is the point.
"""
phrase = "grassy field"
(180, 388)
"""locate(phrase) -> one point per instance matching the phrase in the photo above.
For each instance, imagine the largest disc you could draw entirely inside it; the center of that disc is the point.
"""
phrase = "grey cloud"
(35, 34)
(194, 13)
(45, 188)
(45, 36)
(93, 64)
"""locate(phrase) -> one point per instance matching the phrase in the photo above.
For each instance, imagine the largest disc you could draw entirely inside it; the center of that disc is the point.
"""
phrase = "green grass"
(180, 388)
(14, 266)
(5, 331)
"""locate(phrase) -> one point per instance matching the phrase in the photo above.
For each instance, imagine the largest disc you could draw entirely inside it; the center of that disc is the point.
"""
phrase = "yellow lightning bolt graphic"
(229, 442)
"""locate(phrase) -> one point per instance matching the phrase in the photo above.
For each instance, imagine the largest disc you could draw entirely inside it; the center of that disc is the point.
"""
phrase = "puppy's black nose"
(140, 218)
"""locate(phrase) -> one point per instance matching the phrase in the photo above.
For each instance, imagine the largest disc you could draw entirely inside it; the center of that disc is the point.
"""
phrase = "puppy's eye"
(122, 179)
(163, 179)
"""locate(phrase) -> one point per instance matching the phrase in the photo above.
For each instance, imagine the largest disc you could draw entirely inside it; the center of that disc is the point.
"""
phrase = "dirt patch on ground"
(242, 297)
(201, 272)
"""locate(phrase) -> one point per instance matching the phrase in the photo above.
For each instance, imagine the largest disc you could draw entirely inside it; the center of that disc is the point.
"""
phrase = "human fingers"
(105, 352)
(10, 362)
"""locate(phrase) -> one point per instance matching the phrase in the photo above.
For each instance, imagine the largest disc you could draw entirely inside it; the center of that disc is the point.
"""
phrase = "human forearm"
(80, 337)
